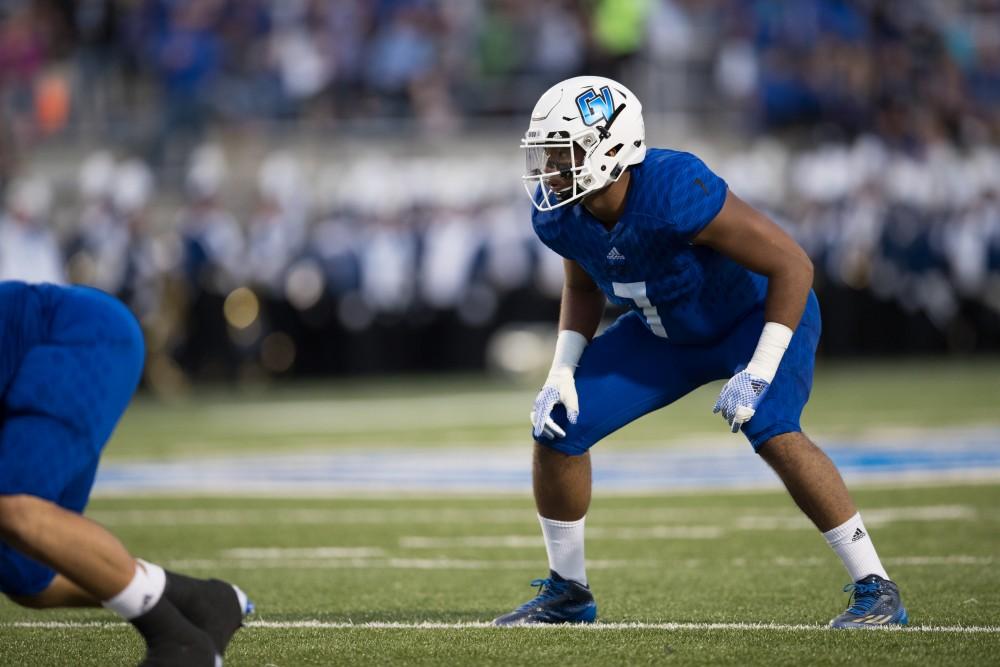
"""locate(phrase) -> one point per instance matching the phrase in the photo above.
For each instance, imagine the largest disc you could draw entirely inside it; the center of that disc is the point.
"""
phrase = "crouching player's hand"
(740, 397)
(559, 387)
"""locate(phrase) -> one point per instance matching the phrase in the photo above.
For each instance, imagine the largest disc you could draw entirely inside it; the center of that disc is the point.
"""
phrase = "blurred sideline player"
(715, 290)
(70, 359)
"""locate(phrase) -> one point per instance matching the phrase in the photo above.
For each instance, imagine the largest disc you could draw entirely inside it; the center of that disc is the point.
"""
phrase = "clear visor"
(553, 169)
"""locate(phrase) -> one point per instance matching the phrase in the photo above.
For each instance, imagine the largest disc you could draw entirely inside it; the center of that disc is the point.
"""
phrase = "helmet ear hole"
(614, 151)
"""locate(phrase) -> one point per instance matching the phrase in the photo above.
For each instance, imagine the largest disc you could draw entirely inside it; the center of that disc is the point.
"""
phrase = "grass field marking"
(941, 560)
(393, 564)
(276, 553)
(657, 533)
(472, 541)
(882, 516)
(878, 516)
(437, 515)
(977, 629)
(303, 561)
(324, 491)
(256, 516)
(758, 520)
(474, 625)
(446, 472)
(593, 533)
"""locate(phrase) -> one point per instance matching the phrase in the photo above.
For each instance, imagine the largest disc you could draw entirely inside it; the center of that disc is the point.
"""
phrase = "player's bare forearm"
(582, 301)
(787, 293)
(750, 238)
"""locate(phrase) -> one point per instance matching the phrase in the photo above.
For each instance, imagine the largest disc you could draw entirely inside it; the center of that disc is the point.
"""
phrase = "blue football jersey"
(684, 292)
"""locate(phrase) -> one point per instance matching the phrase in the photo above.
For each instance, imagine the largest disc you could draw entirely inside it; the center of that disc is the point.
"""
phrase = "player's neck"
(608, 205)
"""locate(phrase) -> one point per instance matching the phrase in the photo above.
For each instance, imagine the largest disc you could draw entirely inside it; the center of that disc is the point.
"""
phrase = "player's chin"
(561, 191)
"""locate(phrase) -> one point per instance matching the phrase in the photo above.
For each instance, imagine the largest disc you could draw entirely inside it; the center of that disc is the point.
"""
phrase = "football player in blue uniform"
(714, 289)
(70, 359)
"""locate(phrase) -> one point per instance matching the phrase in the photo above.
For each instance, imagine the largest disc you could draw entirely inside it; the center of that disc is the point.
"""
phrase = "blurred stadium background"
(314, 209)
(310, 188)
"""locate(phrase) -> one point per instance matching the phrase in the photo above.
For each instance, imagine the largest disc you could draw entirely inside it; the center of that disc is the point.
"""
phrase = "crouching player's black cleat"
(172, 640)
(875, 603)
(214, 606)
(558, 601)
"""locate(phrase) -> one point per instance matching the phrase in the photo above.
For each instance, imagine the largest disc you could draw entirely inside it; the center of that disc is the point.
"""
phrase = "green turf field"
(847, 399)
(735, 558)
(679, 578)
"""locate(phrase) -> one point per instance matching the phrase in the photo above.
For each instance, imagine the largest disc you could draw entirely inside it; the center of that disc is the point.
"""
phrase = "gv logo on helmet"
(595, 108)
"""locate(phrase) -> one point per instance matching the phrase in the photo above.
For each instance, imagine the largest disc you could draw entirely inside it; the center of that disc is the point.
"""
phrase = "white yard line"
(281, 553)
(678, 528)
(320, 559)
(872, 517)
(593, 533)
(377, 625)
(390, 564)
(310, 516)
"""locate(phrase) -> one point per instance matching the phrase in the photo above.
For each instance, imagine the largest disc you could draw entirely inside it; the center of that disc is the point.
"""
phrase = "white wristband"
(569, 349)
(774, 340)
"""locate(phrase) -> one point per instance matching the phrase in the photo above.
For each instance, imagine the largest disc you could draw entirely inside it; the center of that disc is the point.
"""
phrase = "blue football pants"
(61, 404)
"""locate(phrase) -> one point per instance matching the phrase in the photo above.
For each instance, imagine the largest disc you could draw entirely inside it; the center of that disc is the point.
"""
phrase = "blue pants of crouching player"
(628, 372)
(72, 358)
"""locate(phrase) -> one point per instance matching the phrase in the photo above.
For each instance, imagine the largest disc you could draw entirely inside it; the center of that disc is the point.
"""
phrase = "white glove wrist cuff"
(569, 349)
(774, 340)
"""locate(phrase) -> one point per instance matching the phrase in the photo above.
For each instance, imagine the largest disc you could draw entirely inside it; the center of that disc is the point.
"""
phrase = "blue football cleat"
(558, 601)
(875, 603)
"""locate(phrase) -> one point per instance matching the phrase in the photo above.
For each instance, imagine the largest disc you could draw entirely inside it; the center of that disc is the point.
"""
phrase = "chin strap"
(603, 130)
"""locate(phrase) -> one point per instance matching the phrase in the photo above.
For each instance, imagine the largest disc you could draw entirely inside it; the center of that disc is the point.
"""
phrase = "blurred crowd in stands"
(869, 128)
(156, 74)
(329, 271)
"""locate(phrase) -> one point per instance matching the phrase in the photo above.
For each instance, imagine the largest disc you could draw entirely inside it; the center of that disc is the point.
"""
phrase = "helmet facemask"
(557, 170)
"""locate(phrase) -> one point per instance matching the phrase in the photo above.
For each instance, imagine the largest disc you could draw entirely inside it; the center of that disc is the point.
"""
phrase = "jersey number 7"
(637, 292)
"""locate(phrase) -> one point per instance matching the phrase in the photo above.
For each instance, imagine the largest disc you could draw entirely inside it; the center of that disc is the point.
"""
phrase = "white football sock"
(854, 546)
(564, 544)
(141, 594)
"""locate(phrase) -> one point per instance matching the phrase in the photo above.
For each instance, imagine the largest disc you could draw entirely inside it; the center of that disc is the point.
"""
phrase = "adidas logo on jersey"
(615, 257)
(858, 534)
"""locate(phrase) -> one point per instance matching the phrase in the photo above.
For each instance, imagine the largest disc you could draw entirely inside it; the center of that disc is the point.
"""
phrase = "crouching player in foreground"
(715, 290)
(70, 359)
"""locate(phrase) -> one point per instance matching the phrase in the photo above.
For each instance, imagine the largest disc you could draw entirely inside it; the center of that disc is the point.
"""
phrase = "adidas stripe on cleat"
(875, 602)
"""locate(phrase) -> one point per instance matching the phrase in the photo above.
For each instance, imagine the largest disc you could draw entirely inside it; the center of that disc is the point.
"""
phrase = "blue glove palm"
(740, 397)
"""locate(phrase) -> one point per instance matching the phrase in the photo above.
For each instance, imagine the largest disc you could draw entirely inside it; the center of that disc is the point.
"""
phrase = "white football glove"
(559, 387)
(740, 397)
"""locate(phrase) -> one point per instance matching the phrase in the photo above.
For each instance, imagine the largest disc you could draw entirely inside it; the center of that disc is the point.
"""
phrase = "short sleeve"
(696, 195)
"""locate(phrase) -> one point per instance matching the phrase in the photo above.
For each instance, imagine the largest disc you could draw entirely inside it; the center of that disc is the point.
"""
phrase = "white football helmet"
(584, 132)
